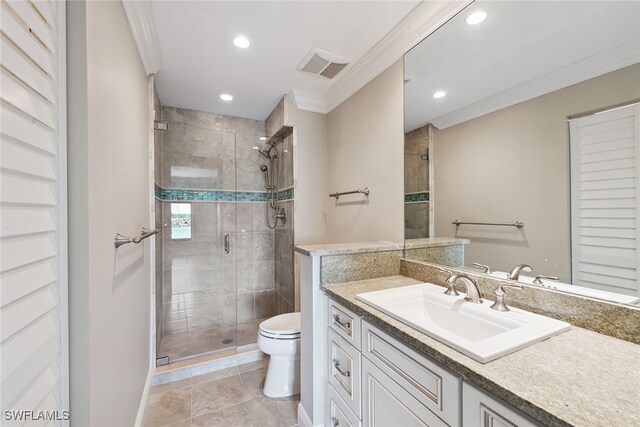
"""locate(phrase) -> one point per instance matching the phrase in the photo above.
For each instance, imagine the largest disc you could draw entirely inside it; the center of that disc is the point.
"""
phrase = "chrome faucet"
(486, 268)
(472, 291)
(499, 305)
(515, 273)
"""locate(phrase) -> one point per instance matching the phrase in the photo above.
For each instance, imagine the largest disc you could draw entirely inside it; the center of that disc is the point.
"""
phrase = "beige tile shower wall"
(365, 149)
(416, 173)
(284, 275)
(283, 238)
(513, 164)
(214, 152)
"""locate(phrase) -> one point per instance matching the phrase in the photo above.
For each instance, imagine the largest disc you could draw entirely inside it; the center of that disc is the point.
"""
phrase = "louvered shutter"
(33, 208)
(605, 162)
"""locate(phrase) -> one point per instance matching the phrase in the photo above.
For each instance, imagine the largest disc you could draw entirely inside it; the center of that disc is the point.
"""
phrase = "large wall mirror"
(522, 134)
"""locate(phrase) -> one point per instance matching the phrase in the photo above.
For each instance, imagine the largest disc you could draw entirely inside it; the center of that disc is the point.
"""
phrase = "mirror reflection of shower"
(271, 184)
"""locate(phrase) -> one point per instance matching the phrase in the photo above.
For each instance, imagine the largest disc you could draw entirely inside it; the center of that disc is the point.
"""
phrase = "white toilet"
(279, 337)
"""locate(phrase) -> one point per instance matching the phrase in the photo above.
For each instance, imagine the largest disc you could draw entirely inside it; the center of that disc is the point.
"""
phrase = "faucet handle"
(487, 269)
(538, 279)
(451, 290)
(499, 305)
(444, 270)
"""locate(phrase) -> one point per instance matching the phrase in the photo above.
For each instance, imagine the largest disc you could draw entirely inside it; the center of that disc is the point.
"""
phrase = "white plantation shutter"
(605, 192)
(33, 300)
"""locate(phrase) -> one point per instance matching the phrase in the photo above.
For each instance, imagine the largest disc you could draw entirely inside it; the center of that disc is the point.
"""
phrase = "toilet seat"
(282, 327)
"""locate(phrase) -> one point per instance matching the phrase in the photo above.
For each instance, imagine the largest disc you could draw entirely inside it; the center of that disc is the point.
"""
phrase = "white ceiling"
(519, 44)
(201, 62)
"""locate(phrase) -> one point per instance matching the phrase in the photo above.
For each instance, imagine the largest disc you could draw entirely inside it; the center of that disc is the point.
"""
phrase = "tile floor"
(230, 397)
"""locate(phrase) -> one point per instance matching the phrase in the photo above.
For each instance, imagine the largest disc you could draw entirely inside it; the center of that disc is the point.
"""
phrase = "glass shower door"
(197, 182)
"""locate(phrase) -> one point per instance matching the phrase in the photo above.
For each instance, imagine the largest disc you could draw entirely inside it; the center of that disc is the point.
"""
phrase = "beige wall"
(310, 172)
(365, 143)
(513, 164)
(108, 193)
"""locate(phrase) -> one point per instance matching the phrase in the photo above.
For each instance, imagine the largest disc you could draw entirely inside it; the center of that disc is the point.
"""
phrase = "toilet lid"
(284, 324)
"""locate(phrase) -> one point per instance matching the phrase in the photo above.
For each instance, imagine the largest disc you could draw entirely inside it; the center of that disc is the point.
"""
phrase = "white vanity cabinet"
(374, 380)
(480, 409)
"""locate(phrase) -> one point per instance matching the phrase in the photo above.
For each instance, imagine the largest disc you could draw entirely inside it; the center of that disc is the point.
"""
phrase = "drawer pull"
(336, 364)
(335, 422)
(344, 324)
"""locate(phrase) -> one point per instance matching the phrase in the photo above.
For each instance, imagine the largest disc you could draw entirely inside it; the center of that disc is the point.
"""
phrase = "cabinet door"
(480, 409)
(437, 388)
(386, 404)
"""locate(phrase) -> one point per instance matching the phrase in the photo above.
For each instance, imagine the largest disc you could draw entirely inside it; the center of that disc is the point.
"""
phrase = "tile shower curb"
(206, 367)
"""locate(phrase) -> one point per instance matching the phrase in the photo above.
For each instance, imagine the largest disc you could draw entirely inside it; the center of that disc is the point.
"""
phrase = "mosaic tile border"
(172, 194)
(416, 197)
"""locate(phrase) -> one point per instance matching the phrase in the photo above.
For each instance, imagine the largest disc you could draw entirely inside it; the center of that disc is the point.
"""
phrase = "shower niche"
(224, 257)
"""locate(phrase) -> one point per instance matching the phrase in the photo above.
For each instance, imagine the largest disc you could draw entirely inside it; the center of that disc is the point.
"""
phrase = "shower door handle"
(226, 243)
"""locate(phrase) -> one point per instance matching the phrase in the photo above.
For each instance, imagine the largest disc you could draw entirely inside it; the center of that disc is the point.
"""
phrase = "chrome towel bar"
(517, 224)
(364, 191)
(120, 240)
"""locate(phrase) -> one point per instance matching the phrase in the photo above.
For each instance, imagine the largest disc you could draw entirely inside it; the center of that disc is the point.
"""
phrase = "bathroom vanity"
(362, 367)
(374, 379)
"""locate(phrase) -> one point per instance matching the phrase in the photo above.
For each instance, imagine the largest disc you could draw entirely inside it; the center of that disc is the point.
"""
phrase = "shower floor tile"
(228, 397)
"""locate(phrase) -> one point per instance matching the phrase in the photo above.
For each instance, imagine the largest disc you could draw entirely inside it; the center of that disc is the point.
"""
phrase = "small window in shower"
(180, 221)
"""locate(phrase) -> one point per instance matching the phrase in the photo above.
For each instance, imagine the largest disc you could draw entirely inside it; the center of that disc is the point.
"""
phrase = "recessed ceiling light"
(242, 42)
(226, 97)
(439, 94)
(476, 17)
(263, 138)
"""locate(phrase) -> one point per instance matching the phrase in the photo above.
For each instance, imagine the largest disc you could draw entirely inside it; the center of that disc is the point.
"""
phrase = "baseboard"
(303, 417)
(143, 399)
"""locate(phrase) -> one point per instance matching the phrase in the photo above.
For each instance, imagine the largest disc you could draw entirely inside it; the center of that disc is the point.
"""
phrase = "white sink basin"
(473, 329)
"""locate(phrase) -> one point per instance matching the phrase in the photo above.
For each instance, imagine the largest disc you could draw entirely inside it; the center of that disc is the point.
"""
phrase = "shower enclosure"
(224, 260)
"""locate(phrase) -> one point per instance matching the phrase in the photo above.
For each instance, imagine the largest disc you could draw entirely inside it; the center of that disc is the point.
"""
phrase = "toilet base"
(283, 376)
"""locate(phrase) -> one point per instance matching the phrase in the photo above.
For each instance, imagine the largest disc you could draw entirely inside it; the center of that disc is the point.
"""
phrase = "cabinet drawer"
(343, 370)
(338, 412)
(387, 404)
(345, 322)
(437, 388)
(480, 409)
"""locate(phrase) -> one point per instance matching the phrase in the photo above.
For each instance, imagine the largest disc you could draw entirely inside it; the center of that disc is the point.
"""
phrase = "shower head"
(267, 180)
(266, 153)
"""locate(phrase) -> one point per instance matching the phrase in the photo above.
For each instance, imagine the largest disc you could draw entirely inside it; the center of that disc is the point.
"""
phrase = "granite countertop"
(349, 248)
(577, 378)
(365, 247)
(431, 242)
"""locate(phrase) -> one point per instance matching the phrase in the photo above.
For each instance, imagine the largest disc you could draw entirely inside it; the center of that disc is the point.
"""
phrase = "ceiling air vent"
(323, 63)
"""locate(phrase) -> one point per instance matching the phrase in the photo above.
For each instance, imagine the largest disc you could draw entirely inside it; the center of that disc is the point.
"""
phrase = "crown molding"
(423, 20)
(143, 27)
(602, 63)
(308, 101)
